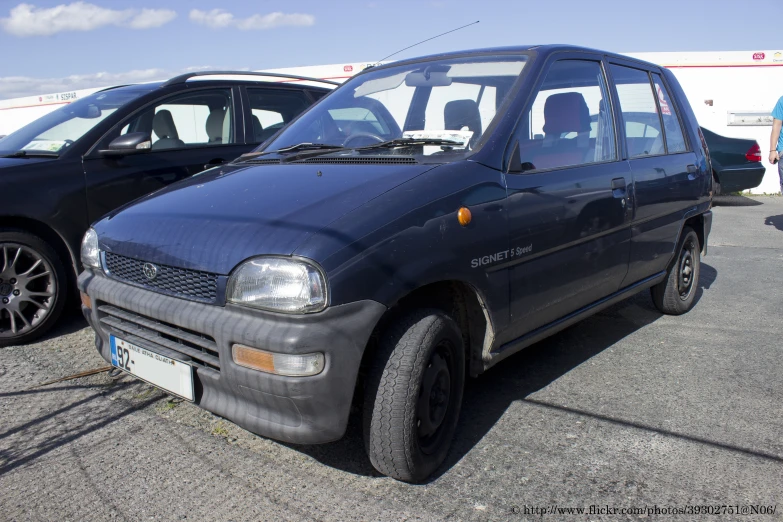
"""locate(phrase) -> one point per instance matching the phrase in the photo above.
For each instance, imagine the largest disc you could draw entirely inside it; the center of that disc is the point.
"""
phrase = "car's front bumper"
(304, 410)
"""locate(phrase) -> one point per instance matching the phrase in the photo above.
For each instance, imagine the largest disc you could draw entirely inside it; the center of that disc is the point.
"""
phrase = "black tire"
(406, 381)
(677, 293)
(25, 296)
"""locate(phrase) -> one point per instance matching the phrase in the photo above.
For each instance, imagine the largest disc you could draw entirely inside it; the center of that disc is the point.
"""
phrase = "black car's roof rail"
(182, 78)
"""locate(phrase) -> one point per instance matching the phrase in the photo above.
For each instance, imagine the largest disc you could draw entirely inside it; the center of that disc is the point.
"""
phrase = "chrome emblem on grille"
(150, 271)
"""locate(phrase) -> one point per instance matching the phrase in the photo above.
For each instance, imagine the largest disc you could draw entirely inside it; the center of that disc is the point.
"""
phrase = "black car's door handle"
(214, 163)
(618, 187)
(692, 168)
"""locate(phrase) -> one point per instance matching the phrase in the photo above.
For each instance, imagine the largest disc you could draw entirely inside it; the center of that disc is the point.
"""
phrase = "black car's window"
(561, 131)
(59, 129)
(640, 112)
(196, 119)
(272, 109)
(675, 141)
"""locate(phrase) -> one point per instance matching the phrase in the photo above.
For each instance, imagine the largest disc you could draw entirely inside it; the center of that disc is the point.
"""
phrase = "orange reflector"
(464, 216)
(290, 365)
(86, 301)
(255, 359)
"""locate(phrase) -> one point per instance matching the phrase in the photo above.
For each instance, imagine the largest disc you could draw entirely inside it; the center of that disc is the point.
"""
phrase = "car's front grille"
(192, 284)
(198, 348)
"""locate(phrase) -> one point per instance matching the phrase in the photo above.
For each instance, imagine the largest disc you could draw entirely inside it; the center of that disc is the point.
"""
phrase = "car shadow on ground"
(775, 221)
(735, 200)
(490, 395)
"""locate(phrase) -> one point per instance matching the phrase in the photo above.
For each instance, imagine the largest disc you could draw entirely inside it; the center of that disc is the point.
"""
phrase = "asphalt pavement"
(628, 409)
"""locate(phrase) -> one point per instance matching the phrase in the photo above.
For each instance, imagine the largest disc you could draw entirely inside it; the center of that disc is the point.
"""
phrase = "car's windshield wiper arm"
(31, 154)
(305, 146)
(402, 142)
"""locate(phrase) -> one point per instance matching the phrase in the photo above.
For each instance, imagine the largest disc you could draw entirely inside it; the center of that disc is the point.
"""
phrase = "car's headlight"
(91, 255)
(278, 284)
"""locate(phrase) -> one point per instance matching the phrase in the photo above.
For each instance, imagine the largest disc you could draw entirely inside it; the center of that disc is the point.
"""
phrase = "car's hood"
(13, 162)
(214, 221)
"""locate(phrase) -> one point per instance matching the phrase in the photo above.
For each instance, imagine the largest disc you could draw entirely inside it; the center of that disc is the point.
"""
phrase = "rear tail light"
(754, 153)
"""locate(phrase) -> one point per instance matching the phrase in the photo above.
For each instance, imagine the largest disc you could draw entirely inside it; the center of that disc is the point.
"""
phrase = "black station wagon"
(68, 168)
(419, 224)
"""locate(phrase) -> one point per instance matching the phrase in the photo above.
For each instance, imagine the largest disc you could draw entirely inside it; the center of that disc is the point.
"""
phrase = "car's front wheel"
(414, 395)
(32, 287)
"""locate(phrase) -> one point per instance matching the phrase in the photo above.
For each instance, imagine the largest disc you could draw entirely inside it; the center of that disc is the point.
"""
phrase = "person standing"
(776, 139)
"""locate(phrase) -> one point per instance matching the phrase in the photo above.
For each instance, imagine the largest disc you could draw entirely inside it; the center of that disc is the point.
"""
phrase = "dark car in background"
(425, 221)
(65, 170)
(736, 162)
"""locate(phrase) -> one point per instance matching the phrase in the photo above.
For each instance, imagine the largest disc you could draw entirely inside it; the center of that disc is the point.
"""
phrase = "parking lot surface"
(626, 409)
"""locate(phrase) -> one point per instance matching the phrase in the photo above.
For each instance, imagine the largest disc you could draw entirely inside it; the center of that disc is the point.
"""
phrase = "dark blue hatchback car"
(420, 223)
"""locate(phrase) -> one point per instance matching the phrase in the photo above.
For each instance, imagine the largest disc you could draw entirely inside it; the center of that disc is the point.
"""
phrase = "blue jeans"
(780, 173)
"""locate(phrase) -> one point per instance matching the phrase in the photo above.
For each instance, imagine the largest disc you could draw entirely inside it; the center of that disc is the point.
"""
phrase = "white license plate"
(171, 375)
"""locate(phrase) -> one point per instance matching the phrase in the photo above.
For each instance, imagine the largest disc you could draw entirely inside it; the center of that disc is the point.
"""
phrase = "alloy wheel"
(27, 289)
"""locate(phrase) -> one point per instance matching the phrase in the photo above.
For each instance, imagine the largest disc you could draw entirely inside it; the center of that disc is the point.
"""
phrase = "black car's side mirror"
(131, 143)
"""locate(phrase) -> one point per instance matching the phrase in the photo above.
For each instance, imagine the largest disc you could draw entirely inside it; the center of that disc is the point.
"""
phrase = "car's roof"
(540, 49)
(220, 77)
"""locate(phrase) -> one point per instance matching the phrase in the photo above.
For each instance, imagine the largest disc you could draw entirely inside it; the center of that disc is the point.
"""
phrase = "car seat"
(163, 125)
(214, 125)
(458, 114)
(564, 113)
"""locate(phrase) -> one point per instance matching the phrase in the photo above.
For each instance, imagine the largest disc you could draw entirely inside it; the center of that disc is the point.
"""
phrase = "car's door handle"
(692, 168)
(618, 188)
(214, 163)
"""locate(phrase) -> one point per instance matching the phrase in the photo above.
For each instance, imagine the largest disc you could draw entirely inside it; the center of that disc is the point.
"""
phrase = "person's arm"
(774, 155)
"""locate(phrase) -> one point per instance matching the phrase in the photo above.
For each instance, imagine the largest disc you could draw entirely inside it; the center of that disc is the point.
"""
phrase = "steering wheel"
(360, 135)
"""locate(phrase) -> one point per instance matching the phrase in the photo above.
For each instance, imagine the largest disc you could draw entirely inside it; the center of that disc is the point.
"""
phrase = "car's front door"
(568, 212)
(190, 132)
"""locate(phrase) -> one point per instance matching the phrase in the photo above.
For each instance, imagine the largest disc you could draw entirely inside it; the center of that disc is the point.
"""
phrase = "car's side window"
(675, 140)
(570, 122)
(643, 134)
(272, 109)
(196, 119)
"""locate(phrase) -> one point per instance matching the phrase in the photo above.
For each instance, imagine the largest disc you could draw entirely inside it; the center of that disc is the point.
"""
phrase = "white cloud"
(29, 20)
(220, 18)
(150, 18)
(19, 86)
(216, 18)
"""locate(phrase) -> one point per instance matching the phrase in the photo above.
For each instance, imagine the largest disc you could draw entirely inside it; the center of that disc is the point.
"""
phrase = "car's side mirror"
(131, 143)
(515, 164)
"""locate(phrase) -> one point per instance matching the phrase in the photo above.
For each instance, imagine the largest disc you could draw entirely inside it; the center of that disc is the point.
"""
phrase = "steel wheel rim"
(686, 270)
(434, 403)
(27, 289)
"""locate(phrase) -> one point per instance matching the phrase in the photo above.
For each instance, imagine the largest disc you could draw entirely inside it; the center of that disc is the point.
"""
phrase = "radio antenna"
(427, 40)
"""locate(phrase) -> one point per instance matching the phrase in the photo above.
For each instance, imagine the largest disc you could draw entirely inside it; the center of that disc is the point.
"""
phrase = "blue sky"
(41, 46)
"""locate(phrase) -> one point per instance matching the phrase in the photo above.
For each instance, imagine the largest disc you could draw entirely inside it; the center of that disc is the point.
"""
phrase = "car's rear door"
(190, 130)
(663, 165)
(567, 204)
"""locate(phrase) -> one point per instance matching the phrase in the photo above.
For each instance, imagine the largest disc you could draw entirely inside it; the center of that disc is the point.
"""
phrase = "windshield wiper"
(31, 154)
(306, 146)
(403, 142)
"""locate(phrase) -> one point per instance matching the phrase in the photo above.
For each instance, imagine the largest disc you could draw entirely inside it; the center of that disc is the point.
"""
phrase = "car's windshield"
(59, 129)
(444, 105)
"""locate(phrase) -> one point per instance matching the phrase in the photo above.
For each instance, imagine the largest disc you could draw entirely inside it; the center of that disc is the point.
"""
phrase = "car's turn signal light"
(303, 365)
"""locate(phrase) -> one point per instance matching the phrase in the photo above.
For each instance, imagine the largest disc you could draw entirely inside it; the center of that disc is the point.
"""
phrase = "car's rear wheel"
(414, 395)
(677, 293)
(32, 287)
